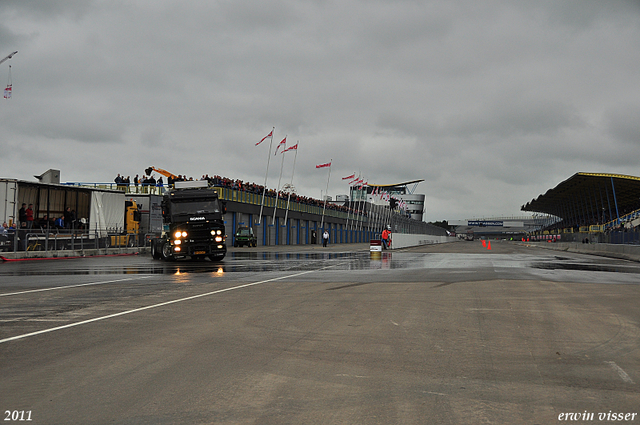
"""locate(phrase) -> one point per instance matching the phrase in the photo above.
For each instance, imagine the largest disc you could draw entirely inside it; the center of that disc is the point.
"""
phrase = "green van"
(245, 236)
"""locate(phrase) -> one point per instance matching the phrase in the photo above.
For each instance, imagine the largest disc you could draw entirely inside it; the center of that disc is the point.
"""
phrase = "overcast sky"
(492, 103)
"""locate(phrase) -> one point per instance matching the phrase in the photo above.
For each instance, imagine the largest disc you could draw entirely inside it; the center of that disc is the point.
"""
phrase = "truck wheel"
(155, 252)
(166, 252)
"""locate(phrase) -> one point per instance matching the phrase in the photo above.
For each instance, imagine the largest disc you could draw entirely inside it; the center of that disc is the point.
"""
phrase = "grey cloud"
(623, 123)
(485, 101)
(46, 10)
(510, 118)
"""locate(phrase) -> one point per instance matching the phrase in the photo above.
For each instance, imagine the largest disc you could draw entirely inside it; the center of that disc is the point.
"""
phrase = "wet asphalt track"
(451, 334)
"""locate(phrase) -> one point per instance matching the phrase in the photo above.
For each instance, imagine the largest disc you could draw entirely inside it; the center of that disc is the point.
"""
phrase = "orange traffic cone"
(484, 243)
(489, 245)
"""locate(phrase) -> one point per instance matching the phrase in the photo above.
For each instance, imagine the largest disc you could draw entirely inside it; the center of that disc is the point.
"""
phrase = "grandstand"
(598, 207)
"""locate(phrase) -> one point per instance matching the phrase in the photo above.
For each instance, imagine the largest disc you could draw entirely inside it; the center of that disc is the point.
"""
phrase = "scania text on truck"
(193, 224)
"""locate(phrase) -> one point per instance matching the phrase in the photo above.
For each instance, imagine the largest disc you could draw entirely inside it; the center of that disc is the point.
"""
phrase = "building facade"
(408, 203)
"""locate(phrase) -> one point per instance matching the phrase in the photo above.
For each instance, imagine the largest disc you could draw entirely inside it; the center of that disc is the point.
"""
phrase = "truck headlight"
(218, 238)
(177, 242)
(180, 234)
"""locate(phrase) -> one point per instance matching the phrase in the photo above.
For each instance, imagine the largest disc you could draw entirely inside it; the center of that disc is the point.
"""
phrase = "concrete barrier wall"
(401, 240)
(627, 252)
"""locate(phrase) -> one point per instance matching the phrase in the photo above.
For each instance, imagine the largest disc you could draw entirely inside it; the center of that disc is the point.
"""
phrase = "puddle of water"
(234, 262)
(585, 267)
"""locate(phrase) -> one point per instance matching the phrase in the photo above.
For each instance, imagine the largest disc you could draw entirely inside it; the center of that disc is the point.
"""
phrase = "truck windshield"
(190, 206)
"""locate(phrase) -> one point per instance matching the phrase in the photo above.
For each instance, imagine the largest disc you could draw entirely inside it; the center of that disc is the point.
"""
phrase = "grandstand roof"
(396, 184)
(588, 197)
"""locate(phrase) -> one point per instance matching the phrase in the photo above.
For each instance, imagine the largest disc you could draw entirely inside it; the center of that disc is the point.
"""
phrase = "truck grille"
(199, 232)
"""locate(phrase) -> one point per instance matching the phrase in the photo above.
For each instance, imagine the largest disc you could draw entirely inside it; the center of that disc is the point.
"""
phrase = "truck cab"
(193, 224)
(129, 235)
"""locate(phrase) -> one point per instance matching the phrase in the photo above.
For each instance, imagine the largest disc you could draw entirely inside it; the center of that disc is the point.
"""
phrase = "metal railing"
(31, 240)
(126, 188)
(229, 194)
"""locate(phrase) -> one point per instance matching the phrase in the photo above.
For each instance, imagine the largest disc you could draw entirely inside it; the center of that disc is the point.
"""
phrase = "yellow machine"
(160, 171)
(129, 236)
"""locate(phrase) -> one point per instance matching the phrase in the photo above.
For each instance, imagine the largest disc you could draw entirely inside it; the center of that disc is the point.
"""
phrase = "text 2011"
(17, 415)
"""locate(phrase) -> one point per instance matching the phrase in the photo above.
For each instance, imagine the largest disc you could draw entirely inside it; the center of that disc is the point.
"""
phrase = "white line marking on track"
(623, 375)
(346, 375)
(53, 288)
(136, 310)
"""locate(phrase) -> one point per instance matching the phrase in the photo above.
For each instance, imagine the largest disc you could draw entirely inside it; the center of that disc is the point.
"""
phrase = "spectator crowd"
(219, 181)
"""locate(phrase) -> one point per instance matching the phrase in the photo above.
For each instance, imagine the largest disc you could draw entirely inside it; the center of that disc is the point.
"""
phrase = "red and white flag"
(292, 148)
(328, 164)
(282, 143)
(266, 137)
(7, 92)
(349, 177)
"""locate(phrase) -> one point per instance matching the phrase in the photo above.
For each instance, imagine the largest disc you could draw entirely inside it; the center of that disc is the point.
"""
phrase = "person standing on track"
(325, 238)
(386, 237)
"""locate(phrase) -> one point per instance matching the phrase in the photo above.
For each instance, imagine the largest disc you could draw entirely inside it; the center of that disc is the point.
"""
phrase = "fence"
(25, 240)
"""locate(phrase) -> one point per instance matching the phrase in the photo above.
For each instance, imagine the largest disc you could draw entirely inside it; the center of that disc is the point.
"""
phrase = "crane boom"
(160, 171)
(9, 56)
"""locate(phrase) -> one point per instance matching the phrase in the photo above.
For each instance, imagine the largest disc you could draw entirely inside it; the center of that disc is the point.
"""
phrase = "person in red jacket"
(386, 238)
(29, 216)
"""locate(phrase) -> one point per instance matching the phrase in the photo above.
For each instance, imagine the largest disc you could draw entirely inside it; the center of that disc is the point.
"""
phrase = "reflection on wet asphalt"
(234, 262)
(256, 261)
(586, 267)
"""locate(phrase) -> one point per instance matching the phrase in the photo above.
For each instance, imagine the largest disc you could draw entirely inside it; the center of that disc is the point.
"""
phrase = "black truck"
(193, 224)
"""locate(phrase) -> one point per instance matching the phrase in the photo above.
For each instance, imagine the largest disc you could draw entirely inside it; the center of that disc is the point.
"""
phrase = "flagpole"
(366, 201)
(286, 214)
(356, 212)
(369, 216)
(348, 205)
(352, 186)
(348, 213)
(264, 188)
(376, 208)
(364, 206)
(390, 214)
(324, 207)
(359, 224)
(278, 187)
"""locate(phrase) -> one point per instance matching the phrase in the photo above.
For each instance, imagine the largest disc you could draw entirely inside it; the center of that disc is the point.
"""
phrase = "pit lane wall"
(625, 252)
(403, 240)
